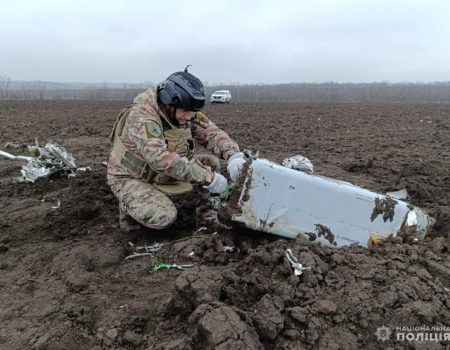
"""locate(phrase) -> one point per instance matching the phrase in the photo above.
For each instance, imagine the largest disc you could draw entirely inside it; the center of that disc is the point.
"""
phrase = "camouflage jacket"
(136, 137)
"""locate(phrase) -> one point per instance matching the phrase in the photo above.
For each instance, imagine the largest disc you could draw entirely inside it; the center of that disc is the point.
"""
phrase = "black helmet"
(182, 90)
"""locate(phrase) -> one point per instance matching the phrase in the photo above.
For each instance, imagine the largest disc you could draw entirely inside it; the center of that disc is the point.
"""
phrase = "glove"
(208, 160)
(235, 164)
(218, 185)
(298, 162)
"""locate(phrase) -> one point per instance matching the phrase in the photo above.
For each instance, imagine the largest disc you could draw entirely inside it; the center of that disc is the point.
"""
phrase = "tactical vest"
(178, 140)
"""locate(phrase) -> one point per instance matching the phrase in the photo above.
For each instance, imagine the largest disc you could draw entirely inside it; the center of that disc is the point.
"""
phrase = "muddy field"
(65, 283)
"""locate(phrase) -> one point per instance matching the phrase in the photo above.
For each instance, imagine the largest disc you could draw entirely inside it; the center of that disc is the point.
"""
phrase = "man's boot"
(126, 222)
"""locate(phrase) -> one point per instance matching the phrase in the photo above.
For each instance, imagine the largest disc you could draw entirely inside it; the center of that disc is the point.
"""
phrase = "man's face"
(183, 116)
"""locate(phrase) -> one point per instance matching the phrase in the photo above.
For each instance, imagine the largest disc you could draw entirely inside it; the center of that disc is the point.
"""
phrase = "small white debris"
(57, 205)
(400, 194)
(146, 250)
(137, 255)
(149, 248)
(298, 162)
(228, 249)
(191, 254)
(12, 156)
(298, 268)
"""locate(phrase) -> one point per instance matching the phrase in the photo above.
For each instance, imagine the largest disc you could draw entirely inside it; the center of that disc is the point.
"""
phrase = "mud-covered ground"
(64, 282)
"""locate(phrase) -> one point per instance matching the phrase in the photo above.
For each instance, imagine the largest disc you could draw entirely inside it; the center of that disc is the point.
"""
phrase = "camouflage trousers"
(150, 207)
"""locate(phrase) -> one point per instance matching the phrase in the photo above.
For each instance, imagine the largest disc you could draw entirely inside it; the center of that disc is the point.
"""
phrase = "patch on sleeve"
(152, 129)
(202, 119)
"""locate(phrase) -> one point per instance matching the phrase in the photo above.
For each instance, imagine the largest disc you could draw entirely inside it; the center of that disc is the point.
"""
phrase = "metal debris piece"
(191, 254)
(146, 250)
(298, 267)
(51, 159)
(299, 163)
(84, 169)
(228, 249)
(137, 255)
(200, 229)
(286, 202)
(159, 265)
(57, 205)
(400, 194)
(149, 248)
(12, 156)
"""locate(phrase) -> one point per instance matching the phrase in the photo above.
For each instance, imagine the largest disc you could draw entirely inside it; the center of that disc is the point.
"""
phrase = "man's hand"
(235, 164)
(218, 185)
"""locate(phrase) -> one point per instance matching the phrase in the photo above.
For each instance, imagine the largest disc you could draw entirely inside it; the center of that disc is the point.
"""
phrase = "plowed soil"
(65, 283)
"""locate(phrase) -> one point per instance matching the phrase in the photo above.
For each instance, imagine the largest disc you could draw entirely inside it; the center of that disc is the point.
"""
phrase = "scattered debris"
(84, 169)
(228, 249)
(203, 228)
(298, 162)
(149, 248)
(146, 250)
(12, 156)
(57, 205)
(400, 194)
(298, 267)
(44, 161)
(159, 265)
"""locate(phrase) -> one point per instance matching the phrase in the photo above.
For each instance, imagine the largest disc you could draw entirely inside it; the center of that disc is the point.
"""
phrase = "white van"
(221, 96)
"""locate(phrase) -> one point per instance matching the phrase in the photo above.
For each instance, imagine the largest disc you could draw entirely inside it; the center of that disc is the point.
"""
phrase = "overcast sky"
(225, 41)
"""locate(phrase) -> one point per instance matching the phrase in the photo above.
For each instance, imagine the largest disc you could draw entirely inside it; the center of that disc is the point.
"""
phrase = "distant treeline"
(341, 92)
(329, 92)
